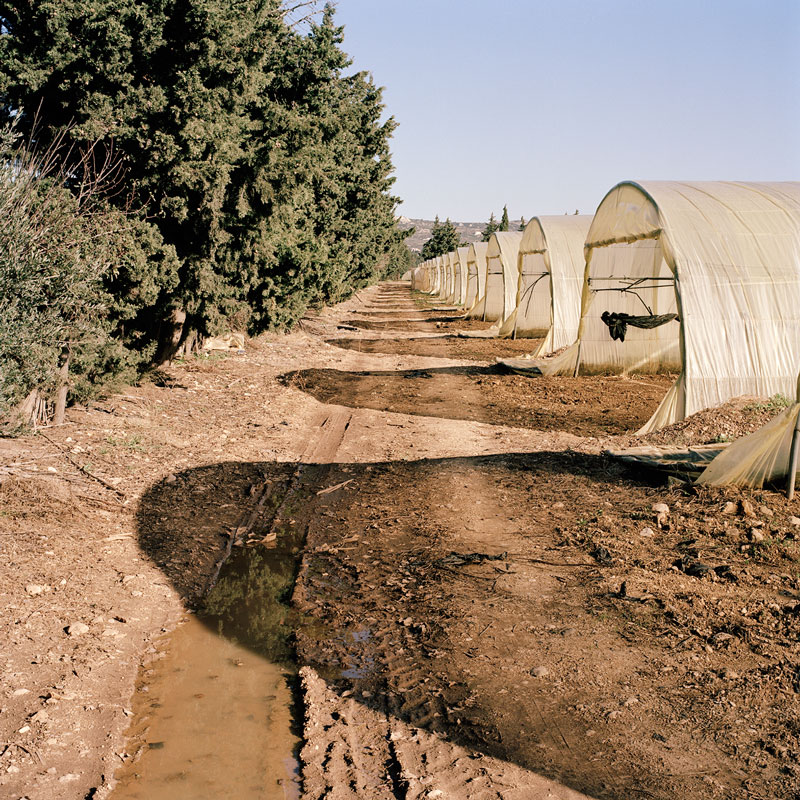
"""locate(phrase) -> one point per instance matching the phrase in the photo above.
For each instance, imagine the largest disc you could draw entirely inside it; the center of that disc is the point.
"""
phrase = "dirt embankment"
(486, 606)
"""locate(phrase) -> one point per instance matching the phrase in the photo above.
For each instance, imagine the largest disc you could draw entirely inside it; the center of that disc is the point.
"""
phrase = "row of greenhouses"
(700, 279)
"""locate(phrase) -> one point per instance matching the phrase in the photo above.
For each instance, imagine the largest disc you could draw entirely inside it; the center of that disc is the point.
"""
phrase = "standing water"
(215, 717)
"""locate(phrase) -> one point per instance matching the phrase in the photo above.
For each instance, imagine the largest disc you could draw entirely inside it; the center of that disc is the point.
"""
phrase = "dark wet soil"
(586, 406)
(668, 687)
(419, 323)
(443, 347)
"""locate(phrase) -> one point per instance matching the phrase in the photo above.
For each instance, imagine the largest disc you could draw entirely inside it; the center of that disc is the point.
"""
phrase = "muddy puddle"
(215, 717)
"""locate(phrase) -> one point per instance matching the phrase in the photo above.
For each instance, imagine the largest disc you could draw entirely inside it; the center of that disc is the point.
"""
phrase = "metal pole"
(793, 458)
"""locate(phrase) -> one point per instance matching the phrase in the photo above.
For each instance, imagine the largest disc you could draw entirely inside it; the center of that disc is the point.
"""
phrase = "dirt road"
(484, 605)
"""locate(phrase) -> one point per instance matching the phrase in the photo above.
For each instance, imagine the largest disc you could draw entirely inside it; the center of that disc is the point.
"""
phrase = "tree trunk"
(171, 338)
(63, 387)
(24, 414)
(189, 343)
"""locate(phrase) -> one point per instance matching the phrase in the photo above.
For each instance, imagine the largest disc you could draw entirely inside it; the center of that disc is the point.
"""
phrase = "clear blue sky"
(546, 104)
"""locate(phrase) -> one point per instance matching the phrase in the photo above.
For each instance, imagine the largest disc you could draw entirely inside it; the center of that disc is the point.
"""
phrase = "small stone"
(77, 629)
(662, 513)
(730, 674)
(171, 479)
(34, 588)
(69, 777)
(766, 511)
(721, 639)
(646, 533)
(795, 521)
(20, 692)
(746, 508)
(612, 715)
(540, 672)
(558, 505)
(40, 716)
(730, 508)
(631, 701)
(756, 535)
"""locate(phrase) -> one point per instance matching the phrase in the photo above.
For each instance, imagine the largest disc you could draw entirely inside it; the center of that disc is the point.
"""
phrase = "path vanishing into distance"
(384, 568)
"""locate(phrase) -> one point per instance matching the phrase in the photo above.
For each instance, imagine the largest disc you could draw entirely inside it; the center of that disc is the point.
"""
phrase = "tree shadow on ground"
(258, 516)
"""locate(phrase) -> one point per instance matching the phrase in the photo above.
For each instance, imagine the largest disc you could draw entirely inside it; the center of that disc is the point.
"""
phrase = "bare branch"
(287, 13)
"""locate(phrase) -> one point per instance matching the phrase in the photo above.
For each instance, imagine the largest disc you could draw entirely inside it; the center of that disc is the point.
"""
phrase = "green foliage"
(775, 403)
(491, 226)
(521, 223)
(504, 222)
(56, 255)
(260, 169)
(444, 239)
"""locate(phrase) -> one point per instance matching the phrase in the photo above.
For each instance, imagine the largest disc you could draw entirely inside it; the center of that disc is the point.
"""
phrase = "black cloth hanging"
(618, 322)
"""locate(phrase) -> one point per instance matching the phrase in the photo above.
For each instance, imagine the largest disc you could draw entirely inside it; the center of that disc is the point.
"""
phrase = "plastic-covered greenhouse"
(476, 279)
(550, 265)
(501, 275)
(459, 295)
(700, 278)
(762, 457)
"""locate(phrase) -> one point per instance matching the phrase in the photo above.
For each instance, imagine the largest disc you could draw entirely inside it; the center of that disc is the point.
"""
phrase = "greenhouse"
(550, 266)
(501, 275)
(698, 278)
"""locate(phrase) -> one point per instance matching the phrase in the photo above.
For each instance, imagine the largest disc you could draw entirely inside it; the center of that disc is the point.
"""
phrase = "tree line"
(445, 237)
(173, 168)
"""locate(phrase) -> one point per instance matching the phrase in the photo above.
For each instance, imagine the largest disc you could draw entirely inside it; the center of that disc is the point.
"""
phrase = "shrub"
(57, 246)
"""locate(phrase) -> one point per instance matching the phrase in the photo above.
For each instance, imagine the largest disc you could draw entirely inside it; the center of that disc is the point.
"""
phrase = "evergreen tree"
(429, 247)
(444, 239)
(449, 237)
(522, 223)
(504, 220)
(264, 168)
(259, 169)
(491, 226)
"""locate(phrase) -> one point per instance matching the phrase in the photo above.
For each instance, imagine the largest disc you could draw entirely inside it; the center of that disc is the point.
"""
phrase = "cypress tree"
(262, 169)
(504, 222)
(444, 239)
(491, 227)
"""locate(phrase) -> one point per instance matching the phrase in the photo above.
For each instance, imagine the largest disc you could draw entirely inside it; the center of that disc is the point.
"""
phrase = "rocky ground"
(486, 606)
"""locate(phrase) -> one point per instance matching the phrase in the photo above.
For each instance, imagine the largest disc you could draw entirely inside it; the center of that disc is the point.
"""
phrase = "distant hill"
(469, 231)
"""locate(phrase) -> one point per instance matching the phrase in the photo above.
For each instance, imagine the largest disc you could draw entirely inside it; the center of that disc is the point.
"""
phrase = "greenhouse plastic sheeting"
(460, 283)
(551, 267)
(684, 461)
(501, 275)
(440, 265)
(450, 260)
(476, 279)
(762, 457)
(724, 257)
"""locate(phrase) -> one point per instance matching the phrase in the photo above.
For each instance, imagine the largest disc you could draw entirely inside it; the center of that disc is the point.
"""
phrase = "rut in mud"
(579, 651)
(486, 606)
